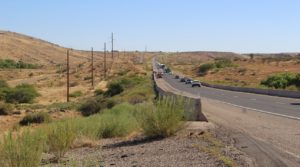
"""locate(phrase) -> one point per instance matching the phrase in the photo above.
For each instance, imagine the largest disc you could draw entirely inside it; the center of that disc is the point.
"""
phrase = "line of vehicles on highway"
(163, 69)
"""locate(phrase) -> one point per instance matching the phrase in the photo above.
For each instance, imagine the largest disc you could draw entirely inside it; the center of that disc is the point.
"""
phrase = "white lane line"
(262, 111)
(253, 99)
(279, 102)
(235, 96)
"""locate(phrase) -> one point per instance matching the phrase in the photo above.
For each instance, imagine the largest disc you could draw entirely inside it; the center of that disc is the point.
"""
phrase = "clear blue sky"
(166, 25)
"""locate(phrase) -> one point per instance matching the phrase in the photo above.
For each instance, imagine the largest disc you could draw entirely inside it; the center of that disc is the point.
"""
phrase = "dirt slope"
(29, 49)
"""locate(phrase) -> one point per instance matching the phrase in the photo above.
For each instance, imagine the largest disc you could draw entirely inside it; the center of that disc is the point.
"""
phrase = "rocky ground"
(189, 147)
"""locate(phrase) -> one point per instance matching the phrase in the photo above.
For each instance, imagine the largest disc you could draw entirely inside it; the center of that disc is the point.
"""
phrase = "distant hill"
(32, 50)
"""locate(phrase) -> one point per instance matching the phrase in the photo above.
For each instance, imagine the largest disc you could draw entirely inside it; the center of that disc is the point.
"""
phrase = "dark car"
(182, 79)
(188, 81)
(176, 76)
(196, 83)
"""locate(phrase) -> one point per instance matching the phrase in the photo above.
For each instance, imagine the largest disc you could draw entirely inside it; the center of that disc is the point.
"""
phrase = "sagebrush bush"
(137, 89)
(4, 88)
(89, 107)
(11, 64)
(3, 84)
(22, 150)
(39, 117)
(223, 63)
(60, 137)
(219, 63)
(98, 92)
(95, 105)
(162, 119)
(21, 94)
(117, 122)
(5, 109)
(114, 89)
(204, 68)
(296, 80)
(281, 81)
(76, 94)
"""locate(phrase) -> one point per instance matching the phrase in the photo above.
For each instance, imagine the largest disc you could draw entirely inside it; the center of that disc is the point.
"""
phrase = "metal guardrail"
(270, 92)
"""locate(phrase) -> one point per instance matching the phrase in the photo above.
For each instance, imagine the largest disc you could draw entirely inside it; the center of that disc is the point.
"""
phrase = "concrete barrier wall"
(193, 106)
(271, 92)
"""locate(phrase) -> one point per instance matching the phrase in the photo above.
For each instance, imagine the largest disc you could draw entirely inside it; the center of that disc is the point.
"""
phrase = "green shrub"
(61, 136)
(279, 81)
(3, 84)
(98, 92)
(89, 107)
(223, 63)
(4, 88)
(76, 94)
(204, 68)
(23, 150)
(11, 64)
(5, 109)
(114, 89)
(39, 117)
(162, 119)
(95, 105)
(296, 80)
(21, 94)
(219, 63)
(117, 122)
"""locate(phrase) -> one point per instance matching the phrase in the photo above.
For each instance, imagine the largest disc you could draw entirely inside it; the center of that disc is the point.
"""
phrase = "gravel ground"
(180, 150)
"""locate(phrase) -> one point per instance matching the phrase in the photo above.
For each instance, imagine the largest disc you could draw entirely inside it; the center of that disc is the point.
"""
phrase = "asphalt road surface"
(287, 107)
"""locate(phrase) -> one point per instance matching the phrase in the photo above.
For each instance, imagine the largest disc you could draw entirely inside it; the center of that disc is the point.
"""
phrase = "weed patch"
(75, 94)
(40, 117)
(162, 119)
(24, 150)
(61, 136)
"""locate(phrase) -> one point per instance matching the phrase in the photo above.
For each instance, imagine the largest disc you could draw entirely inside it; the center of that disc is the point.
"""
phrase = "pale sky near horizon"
(241, 26)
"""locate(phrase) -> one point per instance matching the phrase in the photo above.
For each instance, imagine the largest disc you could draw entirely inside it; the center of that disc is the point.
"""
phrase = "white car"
(196, 83)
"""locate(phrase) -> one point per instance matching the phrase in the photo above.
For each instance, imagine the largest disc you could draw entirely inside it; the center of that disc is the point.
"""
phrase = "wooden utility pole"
(92, 64)
(68, 76)
(104, 60)
(112, 45)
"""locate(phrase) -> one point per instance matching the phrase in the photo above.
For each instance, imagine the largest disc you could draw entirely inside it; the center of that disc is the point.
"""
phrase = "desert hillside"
(33, 50)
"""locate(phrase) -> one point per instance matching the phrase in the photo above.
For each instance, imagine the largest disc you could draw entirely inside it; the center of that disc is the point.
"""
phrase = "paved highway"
(286, 107)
